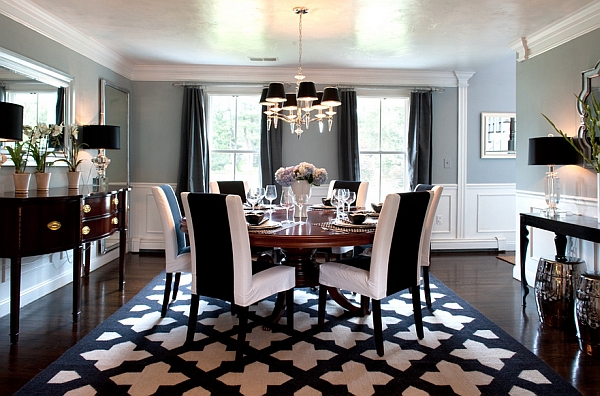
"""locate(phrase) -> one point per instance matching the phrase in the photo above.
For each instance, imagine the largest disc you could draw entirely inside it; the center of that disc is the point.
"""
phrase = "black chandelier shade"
(307, 91)
(276, 93)
(550, 150)
(101, 137)
(331, 97)
(11, 121)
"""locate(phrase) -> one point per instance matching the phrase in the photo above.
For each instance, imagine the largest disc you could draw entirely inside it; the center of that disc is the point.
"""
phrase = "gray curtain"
(194, 161)
(2, 93)
(271, 157)
(60, 105)
(419, 138)
(348, 158)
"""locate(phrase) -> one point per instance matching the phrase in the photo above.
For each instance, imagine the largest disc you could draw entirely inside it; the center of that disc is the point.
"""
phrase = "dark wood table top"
(310, 235)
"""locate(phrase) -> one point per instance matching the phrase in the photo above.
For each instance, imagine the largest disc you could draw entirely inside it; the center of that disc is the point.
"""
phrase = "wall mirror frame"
(31, 69)
(590, 87)
(115, 110)
(498, 135)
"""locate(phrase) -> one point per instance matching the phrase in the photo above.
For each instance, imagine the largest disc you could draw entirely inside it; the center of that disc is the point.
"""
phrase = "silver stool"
(587, 313)
(555, 286)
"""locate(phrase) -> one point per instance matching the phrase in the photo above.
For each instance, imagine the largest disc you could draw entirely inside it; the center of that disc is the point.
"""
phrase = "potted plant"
(70, 155)
(19, 153)
(39, 143)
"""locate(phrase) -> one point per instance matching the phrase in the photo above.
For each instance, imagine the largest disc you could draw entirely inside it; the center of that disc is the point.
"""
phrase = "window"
(37, 106)
(234, 137)
(382, 137)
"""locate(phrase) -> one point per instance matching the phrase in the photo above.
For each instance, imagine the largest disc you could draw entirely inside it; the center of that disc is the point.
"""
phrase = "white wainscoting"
(489, 223)
(541, 243)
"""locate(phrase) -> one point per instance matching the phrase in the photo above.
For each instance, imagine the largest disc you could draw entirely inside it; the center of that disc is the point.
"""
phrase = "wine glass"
(351, 198)
(287, 202)
(270, 195)
(300, 200)
(336, 201)
(344, 193)
(255, 195)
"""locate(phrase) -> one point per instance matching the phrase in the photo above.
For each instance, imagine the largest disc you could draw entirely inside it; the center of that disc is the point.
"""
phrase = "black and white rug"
(137, 352)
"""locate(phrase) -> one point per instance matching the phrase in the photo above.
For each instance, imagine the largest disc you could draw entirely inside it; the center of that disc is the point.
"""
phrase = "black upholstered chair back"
(210, 228)
(423, 187)
(403, 271)
(235, 187)
(350, 185)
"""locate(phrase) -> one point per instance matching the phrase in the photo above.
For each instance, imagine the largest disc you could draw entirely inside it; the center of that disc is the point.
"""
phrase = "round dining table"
(299, 244)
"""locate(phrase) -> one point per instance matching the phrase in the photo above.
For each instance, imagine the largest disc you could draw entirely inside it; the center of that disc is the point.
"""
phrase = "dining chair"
(228, 273)
(236, 187)
(178, 258)
(393, 265)
(425, 255)
(360, 188)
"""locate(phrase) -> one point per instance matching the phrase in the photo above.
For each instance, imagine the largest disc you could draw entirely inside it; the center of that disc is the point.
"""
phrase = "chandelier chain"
(300, 46)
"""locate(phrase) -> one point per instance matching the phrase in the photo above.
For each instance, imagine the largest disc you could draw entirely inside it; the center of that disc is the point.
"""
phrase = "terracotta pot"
(21, 182)
(42, 181)
(73, 179)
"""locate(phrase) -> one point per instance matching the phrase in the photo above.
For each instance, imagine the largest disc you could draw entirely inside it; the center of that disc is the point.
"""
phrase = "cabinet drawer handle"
(54, 225)
(85, 230)
(116, 201)
(87, 208)
(114, 220)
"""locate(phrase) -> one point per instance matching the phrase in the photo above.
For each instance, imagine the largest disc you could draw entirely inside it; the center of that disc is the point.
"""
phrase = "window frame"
(386, 94)
(237, 92)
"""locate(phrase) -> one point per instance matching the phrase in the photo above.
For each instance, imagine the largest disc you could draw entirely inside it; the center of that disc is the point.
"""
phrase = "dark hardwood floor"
(480, 278)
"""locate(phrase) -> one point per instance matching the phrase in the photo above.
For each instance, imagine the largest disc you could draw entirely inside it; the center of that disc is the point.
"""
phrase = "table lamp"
(101, 137)
(11, 124)
(551, 151)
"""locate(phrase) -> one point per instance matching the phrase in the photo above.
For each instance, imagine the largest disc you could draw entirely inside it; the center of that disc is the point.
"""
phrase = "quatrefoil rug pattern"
(137, 352)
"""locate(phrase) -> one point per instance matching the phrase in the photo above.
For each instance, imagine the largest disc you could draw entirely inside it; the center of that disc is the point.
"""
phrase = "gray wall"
(445, 136)
(548, 84)
(490, 90)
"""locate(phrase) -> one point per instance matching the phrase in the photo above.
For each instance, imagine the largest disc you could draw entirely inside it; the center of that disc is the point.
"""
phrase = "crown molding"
(33, 17)
(264, 75)
(572, 26)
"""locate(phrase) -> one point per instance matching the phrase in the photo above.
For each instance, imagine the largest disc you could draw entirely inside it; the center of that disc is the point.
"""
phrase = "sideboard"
(42, 222)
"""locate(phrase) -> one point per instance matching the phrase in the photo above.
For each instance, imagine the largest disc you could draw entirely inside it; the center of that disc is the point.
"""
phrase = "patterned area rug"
(137, 352)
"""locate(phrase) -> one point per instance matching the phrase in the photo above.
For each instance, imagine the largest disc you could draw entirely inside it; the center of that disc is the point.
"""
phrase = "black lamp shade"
(307, 91)
(101, 137)
(290, 103)
(263, 98)
(276, 93)
(11, 121)
(552, 150)
(331, 97)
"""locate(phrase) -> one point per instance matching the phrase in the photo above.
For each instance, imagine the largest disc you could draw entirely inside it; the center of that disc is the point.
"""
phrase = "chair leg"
(165, 304)
(194, 303)
(322, 301)
(241, 342)
(289, 300)
(176, 285)
(377, 328)
(426, 289)
(416, 300)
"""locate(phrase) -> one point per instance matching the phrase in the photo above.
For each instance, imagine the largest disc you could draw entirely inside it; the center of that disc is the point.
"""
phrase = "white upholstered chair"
(228, 273)
(393, 265)
(177, 253)
(426, 246)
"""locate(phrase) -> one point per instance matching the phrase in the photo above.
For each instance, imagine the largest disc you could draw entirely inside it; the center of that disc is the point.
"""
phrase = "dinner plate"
(265, 225)
(369, 223)
(321, 206)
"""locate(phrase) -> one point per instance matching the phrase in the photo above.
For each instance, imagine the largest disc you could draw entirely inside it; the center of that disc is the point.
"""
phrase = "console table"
(42, 222)
(582, 227)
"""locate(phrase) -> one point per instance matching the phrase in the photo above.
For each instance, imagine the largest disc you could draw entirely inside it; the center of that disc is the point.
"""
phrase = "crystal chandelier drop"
(301, 104)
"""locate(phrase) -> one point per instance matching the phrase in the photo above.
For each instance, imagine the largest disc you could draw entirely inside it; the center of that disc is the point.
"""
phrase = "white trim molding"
(572, 26)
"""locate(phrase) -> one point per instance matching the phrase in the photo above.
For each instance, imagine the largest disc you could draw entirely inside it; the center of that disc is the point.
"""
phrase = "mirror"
(16, 67)
(114, 110)
(498, 135)
(590, 86)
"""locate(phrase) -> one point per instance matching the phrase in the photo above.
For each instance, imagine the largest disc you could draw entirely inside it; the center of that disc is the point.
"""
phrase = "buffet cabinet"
(59, 220)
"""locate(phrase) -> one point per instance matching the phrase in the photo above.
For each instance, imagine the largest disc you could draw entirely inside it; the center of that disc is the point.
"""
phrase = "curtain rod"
(391, 87)
(220, 84)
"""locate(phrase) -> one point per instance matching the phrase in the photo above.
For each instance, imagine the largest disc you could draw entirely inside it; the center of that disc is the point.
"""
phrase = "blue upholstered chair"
(228, 273)
(177, 254)
(393, 265)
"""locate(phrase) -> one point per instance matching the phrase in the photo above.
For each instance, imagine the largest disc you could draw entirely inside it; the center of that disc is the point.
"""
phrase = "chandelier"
(298, 108)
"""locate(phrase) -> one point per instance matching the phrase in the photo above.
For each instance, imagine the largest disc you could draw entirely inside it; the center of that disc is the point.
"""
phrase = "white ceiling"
(433, 35)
